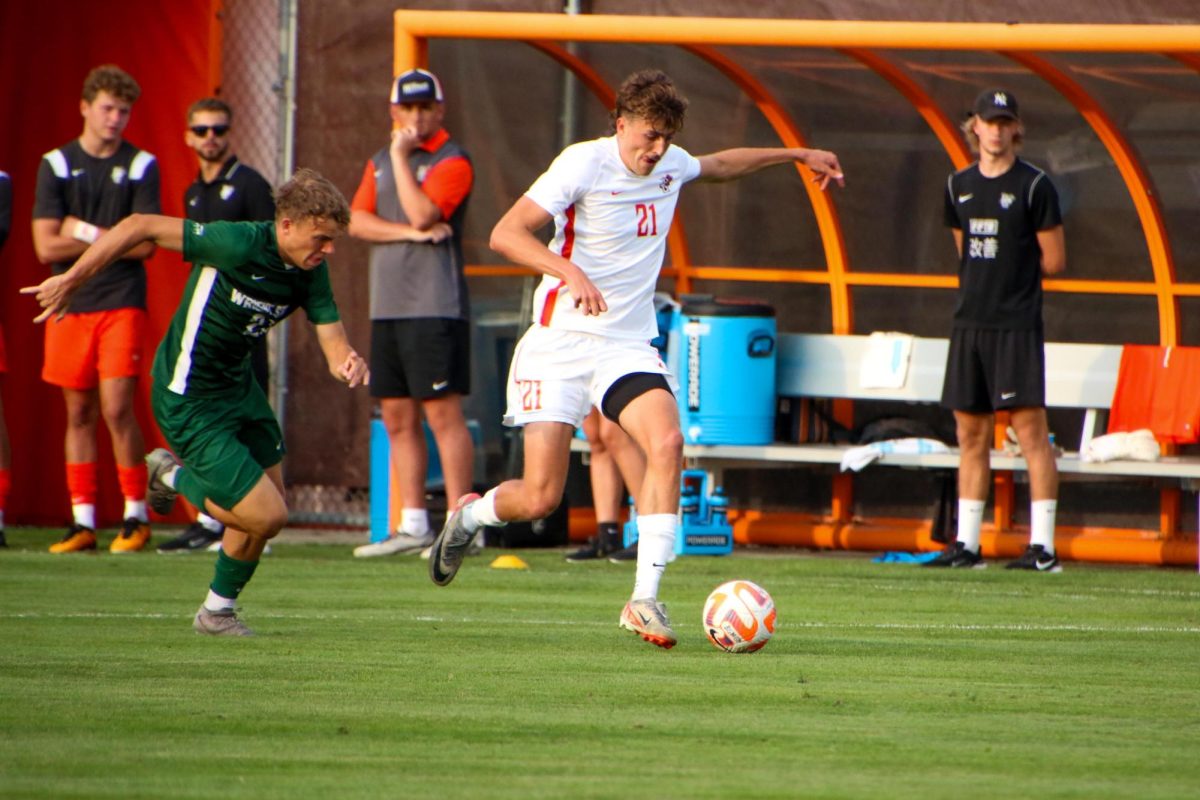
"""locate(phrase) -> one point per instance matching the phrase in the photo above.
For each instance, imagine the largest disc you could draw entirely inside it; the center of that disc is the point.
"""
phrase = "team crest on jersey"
(666, 182)
(227, 192)
(1006, 199)
(422, 171)
(197, 229)
(118, 175)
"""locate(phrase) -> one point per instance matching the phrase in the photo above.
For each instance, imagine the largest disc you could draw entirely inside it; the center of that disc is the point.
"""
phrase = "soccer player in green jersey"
(248, 276)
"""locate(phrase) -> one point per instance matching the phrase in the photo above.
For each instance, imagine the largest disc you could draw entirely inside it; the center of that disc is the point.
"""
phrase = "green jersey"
(238, 289)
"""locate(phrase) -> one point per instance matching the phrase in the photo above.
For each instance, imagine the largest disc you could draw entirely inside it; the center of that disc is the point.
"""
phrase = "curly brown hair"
(649, 94)
(112, 79)
(310, 195)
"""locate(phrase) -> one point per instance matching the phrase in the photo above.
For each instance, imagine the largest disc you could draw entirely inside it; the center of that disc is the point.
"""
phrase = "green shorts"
(225, 441)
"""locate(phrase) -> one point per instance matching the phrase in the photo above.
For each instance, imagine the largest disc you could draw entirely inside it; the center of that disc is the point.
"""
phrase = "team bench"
(1078, 376)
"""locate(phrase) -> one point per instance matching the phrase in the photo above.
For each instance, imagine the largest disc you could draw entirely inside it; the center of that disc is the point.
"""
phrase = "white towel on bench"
(885, 364)
(1139, 445)
(858, 457)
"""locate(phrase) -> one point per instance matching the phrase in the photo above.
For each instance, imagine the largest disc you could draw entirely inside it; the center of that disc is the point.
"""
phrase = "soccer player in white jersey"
(612, 201)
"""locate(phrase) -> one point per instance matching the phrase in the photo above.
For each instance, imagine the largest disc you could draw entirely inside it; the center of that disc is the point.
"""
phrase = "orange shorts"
(84, 349)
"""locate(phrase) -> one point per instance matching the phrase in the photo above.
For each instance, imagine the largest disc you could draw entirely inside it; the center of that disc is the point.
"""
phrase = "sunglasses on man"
(202, 130)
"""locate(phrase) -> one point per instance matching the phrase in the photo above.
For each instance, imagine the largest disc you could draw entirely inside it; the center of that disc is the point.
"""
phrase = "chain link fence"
(255, 65)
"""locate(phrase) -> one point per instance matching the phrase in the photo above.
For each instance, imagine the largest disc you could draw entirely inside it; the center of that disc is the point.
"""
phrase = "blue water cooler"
(722, 352)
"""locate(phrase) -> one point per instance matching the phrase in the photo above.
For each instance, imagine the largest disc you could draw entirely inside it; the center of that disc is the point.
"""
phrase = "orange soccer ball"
(739, 617)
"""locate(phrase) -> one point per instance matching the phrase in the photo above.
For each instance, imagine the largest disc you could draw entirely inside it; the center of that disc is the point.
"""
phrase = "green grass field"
(366, 680)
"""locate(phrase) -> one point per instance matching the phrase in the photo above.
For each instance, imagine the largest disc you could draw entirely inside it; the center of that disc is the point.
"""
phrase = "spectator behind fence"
(410, 206)
(224, 189)
(611, 201)
(248, 276)
(1007, 227)
(95, 351)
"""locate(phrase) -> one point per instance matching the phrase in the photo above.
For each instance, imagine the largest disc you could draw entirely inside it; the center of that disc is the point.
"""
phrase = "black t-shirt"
(237, 194)
(102, 191)
(1000, 274)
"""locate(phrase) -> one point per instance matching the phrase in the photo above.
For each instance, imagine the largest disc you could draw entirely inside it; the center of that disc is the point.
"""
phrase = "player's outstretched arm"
(54, 294)
(730, 164)
(344, 363)
(513, 237)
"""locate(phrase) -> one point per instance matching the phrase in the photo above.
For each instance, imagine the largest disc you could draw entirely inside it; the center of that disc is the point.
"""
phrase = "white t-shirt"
(613, 225)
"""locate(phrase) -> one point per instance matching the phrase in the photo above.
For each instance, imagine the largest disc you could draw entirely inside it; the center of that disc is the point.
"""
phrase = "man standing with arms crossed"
(1007, 226)
(410, 206)
(248, 277)
(94, 352)
(612, 201)
(224, 189)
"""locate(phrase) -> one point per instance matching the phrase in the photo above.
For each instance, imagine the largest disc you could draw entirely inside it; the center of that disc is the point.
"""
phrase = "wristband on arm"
(85, 232)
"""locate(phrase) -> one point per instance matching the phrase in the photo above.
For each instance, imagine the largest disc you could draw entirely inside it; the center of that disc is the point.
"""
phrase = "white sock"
(85, 514)
(482, 512)
(214, 602)
(656, 545)
(414, 521)
(1041, 523)
(168, 477)
(136, 509)
(970, 520)
(214, 525)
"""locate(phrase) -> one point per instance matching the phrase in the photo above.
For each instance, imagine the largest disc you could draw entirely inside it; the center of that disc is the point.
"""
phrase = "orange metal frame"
(859, 40)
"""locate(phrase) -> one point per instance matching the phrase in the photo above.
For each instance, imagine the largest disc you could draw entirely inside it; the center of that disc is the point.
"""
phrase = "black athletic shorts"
(422, 358)
(988, 370)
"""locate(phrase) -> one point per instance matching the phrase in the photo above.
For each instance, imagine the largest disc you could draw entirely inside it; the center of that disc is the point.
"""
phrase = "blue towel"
(893, 557)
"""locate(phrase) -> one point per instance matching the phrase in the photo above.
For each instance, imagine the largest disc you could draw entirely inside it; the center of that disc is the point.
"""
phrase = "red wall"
(48, 49)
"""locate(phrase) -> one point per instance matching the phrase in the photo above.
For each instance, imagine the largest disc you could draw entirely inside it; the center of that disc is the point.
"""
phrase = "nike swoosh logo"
(1043, 565)
(1007, 395)
(659, 565)
(614, 194)
(645, 620)
(437, 387)
(962, 198)
(257, 277)
(77, 172)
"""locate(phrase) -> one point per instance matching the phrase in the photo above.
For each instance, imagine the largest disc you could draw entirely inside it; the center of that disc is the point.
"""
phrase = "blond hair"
(310, 195)
(968, 131)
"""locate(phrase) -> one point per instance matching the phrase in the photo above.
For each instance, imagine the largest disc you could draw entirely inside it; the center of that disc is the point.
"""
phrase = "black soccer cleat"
(957, 555)
(195, 538)
(1036, 558)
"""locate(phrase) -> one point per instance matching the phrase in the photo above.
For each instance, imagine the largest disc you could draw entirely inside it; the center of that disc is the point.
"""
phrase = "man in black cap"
(410, 206)
(1006, 222)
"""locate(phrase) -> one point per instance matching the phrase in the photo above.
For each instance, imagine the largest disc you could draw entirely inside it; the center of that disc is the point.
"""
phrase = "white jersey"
(613, 225)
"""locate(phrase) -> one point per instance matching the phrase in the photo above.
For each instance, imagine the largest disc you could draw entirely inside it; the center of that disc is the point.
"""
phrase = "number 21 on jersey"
(647, 219)
(531, 395)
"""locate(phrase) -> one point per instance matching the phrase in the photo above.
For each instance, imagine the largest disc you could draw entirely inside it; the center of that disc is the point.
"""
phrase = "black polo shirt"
(237, 194)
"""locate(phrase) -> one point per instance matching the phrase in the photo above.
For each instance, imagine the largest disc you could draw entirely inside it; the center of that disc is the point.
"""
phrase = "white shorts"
(557, 375)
